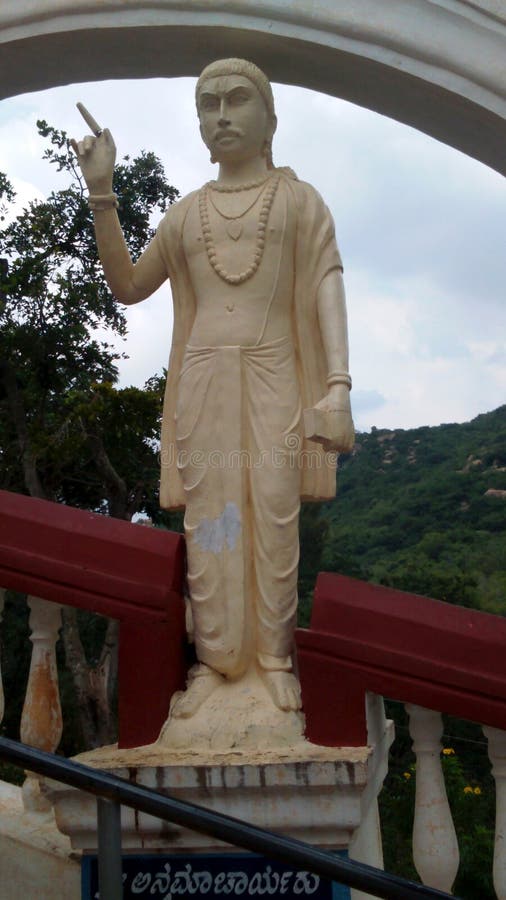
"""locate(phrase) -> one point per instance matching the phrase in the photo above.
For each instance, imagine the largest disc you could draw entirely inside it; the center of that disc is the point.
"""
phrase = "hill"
(423, 510)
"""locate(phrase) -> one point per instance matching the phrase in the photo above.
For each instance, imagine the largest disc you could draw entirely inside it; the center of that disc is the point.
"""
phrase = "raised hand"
(96, 155)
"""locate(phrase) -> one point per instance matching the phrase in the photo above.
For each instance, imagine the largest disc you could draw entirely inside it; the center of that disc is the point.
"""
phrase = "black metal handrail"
(257, 840)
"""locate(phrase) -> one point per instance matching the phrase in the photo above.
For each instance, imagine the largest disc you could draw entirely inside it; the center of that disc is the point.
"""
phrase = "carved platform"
(315, 794)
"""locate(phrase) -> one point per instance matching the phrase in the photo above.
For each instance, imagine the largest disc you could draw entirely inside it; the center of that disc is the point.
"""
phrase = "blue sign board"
(211, 876)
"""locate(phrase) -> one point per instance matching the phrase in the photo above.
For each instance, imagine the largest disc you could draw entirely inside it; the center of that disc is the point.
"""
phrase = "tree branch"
(116, 487)
(32, 479)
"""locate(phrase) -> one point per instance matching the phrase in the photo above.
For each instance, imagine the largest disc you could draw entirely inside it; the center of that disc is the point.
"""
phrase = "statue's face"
(234, 120)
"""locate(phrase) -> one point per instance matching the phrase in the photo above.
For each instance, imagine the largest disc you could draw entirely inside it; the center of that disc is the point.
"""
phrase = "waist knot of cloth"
(236, 396)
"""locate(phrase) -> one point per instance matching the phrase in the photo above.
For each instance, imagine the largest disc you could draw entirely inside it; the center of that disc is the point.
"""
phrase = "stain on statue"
(257, 398)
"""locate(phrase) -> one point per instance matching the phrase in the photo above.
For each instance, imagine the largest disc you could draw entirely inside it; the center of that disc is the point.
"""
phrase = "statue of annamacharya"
(259, 337)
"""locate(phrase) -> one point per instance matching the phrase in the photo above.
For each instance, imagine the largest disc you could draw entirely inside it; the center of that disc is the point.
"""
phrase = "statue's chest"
(235, 230)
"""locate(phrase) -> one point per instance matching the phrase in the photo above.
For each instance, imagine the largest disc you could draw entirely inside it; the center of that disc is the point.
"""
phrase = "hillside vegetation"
(423, 510)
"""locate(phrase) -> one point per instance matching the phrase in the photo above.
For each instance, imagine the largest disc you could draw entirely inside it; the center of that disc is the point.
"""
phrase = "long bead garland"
(220, 270)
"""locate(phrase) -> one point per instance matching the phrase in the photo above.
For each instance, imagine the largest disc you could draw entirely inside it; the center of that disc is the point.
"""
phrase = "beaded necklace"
(235, 188)
(270, 193)
(227, 215)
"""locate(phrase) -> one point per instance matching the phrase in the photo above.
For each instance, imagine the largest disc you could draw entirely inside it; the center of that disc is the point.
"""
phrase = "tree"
(62, 421)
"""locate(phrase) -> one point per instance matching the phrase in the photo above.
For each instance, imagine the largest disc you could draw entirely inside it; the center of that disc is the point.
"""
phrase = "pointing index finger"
(90, 121)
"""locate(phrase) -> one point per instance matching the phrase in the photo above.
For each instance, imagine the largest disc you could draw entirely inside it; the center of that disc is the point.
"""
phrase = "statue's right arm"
(129, 282)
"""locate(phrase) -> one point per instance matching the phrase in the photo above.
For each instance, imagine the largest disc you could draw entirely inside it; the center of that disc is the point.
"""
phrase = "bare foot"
(202, 681)
(284, 689)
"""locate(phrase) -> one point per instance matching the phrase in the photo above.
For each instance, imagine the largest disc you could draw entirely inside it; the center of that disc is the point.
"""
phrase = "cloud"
(366, 401)
(148, 341)
(498, 358)
(404, 203)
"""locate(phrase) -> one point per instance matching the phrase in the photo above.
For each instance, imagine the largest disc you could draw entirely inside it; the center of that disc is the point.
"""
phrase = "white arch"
(438, 65)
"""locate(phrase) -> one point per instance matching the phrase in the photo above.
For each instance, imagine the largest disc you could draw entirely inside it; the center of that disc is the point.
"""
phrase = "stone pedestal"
(315, 794)
(321, 795)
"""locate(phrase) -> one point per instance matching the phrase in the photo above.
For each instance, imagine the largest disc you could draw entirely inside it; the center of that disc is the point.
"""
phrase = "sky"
(420, 226)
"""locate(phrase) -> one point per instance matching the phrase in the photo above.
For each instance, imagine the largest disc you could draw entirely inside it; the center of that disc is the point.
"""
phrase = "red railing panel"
(411, 648)
(129, 572)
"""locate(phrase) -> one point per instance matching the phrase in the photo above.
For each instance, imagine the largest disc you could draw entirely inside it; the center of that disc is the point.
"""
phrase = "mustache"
(227, 132)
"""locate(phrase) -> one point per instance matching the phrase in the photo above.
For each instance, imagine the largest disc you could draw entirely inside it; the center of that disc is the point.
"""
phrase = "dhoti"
(238, 441)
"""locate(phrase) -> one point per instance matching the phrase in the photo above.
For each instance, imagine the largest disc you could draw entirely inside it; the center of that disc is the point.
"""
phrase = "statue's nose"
(224, 117)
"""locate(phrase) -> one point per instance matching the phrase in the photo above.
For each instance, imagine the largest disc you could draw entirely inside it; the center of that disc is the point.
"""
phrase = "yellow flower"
(468, 789)
(448, 751)
(407, 775)
(477, 790)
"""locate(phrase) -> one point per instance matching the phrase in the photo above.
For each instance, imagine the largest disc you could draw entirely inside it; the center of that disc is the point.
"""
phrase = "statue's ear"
(202, 135)
(274, 125)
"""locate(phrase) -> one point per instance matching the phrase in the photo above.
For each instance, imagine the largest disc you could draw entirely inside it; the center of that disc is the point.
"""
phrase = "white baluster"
(2, 704)
(435, 847)
(365, 845)
(497, 754)
(41, 720)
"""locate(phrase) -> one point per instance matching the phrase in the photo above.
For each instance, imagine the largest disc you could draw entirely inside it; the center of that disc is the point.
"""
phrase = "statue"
(259, 344)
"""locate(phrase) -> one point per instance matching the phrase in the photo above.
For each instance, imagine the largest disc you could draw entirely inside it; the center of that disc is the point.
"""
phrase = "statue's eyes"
(238, 97)
(209, 103)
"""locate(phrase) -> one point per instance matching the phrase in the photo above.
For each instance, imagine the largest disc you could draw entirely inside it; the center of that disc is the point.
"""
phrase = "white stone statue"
(259, 337)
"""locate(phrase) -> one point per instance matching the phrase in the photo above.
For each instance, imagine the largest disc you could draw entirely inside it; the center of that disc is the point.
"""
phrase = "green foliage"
(15, 654)
(113, 437)
(313, 536)
(54, 304)
(11, 774)
(66, 432)
(412, 511)
(397, 804)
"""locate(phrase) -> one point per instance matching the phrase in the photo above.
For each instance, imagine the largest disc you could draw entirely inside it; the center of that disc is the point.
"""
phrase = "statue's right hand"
(96, 155)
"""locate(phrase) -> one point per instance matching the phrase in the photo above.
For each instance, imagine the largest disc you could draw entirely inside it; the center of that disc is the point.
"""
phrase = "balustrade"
(497, 755)
(435, 848)
(366, 843)
(431, 655)
(123, 571)
(364, 641)
(41, 719)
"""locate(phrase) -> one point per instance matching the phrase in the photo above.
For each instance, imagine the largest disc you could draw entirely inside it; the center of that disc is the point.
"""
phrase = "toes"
(296, 699)
(289, 700)
(284, 690)
(180, 708)
(283, 700)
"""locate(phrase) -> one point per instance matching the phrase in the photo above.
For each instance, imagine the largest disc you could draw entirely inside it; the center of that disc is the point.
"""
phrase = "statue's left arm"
(331, 306)
(320, 314)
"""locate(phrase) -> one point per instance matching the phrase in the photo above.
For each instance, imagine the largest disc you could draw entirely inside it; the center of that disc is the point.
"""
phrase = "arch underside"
(377, 63)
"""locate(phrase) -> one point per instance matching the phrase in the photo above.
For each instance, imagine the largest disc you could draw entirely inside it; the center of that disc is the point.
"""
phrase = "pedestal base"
(311, 793)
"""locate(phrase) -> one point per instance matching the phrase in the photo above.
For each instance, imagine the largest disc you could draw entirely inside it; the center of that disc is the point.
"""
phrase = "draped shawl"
(316, 254)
